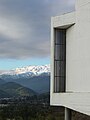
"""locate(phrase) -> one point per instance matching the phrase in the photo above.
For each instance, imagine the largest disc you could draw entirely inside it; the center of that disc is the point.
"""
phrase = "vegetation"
(4, 94)
(79, 116)
(30, 108)
(30, 112)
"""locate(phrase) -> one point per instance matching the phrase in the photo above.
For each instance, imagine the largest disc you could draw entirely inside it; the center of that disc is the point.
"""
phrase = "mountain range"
(25, 72)
(36, 78)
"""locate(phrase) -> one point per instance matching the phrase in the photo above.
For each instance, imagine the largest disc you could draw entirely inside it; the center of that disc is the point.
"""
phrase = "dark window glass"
(60, 52)
(60, 60)
(59, 85)
(59, 68)
(60, 36)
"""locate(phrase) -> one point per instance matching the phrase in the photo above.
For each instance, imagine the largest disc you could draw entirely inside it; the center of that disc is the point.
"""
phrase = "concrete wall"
(70, 62)
(77, 96)
(78, 50)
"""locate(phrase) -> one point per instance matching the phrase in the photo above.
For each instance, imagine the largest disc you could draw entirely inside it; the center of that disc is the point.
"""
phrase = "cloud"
(25, 26)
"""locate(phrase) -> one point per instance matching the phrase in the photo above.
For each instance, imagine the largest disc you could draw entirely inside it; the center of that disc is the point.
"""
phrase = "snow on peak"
(34, 69)
(29, 70)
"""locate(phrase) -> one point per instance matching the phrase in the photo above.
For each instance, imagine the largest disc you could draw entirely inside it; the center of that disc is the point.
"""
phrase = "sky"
(25, 30)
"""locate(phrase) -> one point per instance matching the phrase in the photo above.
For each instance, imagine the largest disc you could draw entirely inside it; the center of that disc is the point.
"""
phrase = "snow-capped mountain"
(36, 70)
(36, 78)
(27, 71)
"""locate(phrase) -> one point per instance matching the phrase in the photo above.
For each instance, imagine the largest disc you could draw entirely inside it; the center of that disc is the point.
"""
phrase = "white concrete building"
(70, 59)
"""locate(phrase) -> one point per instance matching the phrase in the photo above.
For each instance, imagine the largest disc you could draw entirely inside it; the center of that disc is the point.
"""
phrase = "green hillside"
(4, 94)
(16, 90)
(2, 81)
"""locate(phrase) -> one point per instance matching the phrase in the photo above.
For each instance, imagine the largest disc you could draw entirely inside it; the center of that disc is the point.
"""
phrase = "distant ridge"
(4, 94)
(36, 78)
(2, 81)
(16, 90)
(26, 72)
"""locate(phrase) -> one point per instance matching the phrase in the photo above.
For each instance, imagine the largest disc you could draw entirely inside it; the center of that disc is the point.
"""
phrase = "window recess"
(59, 60)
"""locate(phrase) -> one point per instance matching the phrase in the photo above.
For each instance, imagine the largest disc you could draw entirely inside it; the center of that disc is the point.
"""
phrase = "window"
(60, 60)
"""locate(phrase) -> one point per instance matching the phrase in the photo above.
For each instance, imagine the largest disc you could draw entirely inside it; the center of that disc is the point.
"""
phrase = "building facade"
(70, 59)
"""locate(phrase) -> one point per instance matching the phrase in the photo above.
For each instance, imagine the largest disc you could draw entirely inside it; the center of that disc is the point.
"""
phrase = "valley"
(25, 81)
